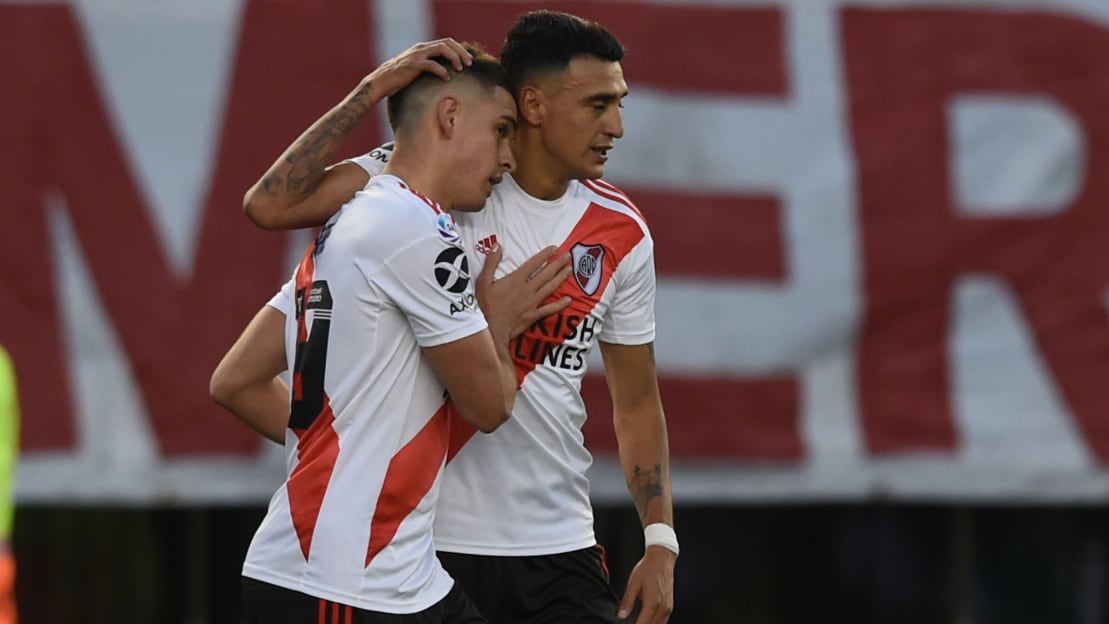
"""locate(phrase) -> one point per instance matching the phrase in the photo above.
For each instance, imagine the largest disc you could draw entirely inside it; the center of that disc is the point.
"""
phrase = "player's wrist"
(662, 535)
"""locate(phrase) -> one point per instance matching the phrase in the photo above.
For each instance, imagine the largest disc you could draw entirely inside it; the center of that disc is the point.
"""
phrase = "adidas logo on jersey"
(486, 245)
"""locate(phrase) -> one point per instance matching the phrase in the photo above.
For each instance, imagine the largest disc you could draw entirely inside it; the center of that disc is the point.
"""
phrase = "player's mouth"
(602, 152)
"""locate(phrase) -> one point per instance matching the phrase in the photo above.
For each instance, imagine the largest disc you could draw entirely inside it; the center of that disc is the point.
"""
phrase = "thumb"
(492, 259)
(630, 594)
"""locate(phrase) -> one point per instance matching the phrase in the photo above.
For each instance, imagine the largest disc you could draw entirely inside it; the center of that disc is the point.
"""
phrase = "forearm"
(297, 173)
(264, 407)
(645, 459)
(509, 381)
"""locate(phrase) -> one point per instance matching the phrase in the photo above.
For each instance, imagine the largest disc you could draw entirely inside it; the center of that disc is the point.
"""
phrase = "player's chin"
(471, 204)
(591, 171)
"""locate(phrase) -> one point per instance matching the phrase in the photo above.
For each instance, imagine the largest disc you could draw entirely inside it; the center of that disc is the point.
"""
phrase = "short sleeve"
(630, 319)
(375, 160)
(430, 282)
(283, 300)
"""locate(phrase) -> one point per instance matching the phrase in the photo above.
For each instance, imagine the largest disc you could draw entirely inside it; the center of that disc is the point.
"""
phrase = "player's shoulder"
(610, 197)
(374, 161)
(390, 214)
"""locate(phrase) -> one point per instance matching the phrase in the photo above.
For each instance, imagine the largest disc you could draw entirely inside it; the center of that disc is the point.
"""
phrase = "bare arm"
(246, 381)
(484, 389)
(299, 189)
(640, 428)
(480, 378)
(645, 456)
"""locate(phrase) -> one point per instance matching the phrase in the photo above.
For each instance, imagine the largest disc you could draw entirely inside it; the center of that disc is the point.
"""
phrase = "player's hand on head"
(512, 303)
(397, 72)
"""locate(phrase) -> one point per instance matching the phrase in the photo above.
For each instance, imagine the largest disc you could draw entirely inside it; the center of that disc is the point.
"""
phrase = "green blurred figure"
(9, 449)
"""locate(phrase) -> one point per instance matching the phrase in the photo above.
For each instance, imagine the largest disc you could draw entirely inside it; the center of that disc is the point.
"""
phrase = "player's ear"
(532, 106)
(446, 115)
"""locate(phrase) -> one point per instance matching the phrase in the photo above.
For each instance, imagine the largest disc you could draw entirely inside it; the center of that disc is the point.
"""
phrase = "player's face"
(485, 150)
(583, 118)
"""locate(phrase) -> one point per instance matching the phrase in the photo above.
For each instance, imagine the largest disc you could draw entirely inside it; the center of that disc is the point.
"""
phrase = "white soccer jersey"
(522, 490)
(368, 432)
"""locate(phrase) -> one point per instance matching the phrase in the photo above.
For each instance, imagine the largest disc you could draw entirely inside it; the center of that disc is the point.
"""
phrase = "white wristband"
(659, 534)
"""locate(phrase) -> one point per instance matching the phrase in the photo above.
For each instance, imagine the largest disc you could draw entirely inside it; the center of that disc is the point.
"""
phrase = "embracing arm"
(246, 381)
(484, 388)
(645, 457)
(300, 189)
(480, 378)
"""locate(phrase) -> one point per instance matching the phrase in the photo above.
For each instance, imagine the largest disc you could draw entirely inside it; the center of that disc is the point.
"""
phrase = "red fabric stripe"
(322, 618)
(334, 613)
(424, 198)
(717, 236)
(460, 431)
(306, 272)
(721, 417)
(604, 560)
(618, 233)
(317, 450)
(604, 189)
(348, 616)
(410, 475)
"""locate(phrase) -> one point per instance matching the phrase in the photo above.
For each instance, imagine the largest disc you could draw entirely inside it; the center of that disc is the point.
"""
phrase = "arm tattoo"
(645, 485)
(310, 155)
(272, 183)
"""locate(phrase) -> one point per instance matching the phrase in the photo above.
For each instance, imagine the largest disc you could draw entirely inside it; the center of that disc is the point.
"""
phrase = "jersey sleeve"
(429, 280)
(283, 300)
(374, 161)
(630, 319)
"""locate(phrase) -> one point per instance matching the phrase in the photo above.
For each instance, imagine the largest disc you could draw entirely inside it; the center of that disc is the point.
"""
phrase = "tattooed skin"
(645, 485)
(310, 155)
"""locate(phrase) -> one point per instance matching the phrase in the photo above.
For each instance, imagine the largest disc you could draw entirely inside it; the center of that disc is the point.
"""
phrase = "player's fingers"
(648, 606)
(492, 259)
(533, 264)
(453, 54)
(630, 594)
(555, 270)
(547, 283)
(458, 55)
(432, 67)
(553, 267)
(549, 309)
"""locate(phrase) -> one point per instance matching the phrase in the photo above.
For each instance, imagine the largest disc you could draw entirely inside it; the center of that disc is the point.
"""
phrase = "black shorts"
(270, 604)
(567, 588)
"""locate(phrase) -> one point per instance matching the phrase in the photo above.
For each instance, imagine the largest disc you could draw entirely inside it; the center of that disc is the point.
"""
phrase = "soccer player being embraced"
(515, 523)
(378, 324)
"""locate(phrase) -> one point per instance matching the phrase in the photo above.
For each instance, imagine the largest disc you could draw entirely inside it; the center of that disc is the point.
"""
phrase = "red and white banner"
(879, 226)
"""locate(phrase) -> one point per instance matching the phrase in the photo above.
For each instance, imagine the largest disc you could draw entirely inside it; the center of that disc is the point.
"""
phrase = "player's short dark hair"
(485, 70)
(545, 41)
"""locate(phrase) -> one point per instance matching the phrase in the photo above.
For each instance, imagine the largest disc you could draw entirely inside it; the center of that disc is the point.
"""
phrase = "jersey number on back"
(310, 361)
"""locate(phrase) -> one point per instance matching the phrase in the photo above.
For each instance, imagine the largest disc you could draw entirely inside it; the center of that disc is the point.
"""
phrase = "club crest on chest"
(587, 266)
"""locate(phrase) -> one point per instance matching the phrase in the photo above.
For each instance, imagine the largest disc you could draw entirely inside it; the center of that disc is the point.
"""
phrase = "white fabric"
(659, 534)
(522, 490)
(380, 263)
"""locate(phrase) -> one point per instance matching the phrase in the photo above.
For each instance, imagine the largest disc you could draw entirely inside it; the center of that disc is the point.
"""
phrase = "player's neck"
(412, 167)
(536, 172)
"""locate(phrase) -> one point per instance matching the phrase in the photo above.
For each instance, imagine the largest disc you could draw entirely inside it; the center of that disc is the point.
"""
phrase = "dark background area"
(896, 564)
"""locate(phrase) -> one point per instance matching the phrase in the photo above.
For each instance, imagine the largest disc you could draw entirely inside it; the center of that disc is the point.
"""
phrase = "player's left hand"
(652, 583)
